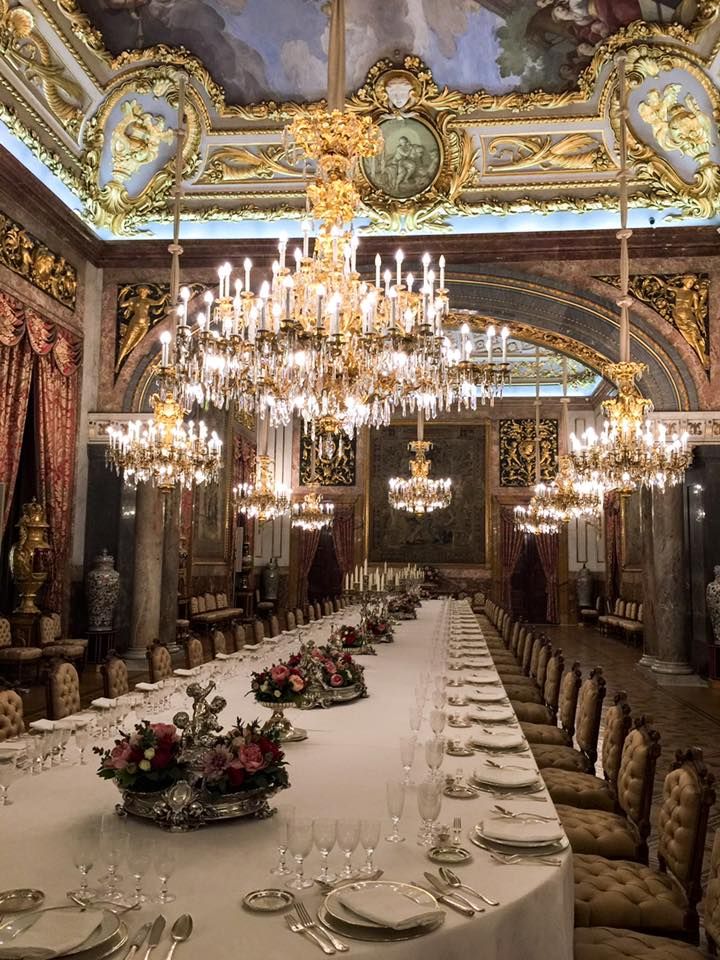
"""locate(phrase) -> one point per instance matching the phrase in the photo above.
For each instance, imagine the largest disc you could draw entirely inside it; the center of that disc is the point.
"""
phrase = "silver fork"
(513, 859)
(303, 914)
(504, 766)
(535, 817)
(297, 926)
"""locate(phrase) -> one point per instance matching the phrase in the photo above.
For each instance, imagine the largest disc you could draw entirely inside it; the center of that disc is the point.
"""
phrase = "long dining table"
(341, 770)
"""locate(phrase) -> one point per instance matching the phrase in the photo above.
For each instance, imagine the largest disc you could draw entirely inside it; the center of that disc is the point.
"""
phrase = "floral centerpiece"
(404, 606)
(352, 638)
(380, 629)
(187, 773)
(279, 686)
(334, 675)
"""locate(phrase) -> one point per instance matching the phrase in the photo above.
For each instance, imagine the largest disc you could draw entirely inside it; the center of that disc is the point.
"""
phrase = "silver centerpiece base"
(279, 724)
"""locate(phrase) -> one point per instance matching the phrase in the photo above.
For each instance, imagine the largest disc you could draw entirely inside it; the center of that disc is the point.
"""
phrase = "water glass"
(369, 838)
(324, 832)
(8, 775)
(300, 842)
(429, 803)
(85, 851)
(395, 798)
(415, 719)
(164, 861)
(348, 837)
(407, 756)
(138, 858)
(112, 844)
(434, 754)
(82, 741)
(438, 718)
(439, 698)
(283, 817)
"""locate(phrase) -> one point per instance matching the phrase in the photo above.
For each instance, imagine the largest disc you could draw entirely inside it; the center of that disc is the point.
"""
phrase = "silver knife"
(449, 901)
(156, 932)
(137, 941)
(447, 891)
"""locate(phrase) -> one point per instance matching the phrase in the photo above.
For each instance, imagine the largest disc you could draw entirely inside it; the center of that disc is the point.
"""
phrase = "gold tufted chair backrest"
(553, 679)
(536, 644)
(115, 677)
(567, 701)
(527, 651)
(63, 691)
(542, 664)
(210, 601)
(682, 819)
(239, 636)
(290, 619)
(5, 634)
(11, 715)
(318, 611)
(194, 608)
(193, 653)
(274, 626)
(515, 638)
(299, 617)
(47, 630)
(219, 645)
(589, 713)
(159, 662)
(711, 903)
(617, 727)
(636, 773)
(259, 631)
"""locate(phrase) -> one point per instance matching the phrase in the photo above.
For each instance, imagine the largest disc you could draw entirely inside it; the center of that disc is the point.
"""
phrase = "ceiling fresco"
(277, 49)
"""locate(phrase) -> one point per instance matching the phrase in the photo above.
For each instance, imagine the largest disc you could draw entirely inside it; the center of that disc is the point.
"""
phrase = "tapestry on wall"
(453, 535)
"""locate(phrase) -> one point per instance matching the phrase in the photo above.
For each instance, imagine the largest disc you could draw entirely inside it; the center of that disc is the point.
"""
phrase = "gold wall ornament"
(679, 298)
(136, 140)
(81, 27)
(677, 124)
(237, 164)
(30, 556)
(571, 152)
(335, 463)
(25, 255)
(24, 47)
(517, 451)
(139, 306)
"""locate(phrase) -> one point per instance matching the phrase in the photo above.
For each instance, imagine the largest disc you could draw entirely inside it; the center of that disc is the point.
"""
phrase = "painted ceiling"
(277, 49)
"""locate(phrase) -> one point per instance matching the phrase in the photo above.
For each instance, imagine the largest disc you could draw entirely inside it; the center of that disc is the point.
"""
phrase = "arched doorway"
(529, 585)
(325, 577)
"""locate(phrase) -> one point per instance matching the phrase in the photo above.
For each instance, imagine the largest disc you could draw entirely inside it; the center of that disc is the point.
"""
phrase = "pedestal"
(24, 629)
(145, 622)
(100, 643)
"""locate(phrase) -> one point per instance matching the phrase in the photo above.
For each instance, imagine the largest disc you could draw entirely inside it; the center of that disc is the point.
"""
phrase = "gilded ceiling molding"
(81, 27)
(31, 259)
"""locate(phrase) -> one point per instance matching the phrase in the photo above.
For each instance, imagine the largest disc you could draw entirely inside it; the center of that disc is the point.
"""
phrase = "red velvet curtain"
(343, 534)
(613, 546)
(548, 547)
(41, 347)
(510, 549)
(309, 540)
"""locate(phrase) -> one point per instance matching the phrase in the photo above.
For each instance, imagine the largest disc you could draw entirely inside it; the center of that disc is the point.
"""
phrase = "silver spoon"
(453, 880)
(181, 930)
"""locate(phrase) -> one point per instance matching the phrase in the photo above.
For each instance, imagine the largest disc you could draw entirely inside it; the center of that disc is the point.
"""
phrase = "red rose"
(336, 680)
(235, 773)
(279, 674)
(251, 757)
(165, 733)
(162, 759)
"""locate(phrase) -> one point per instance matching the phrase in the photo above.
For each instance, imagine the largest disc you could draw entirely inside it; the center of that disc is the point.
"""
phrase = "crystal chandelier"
(419, 494)
(630, 451)
(531, 520)
(312, 513)
(164, 450)
(265, 499)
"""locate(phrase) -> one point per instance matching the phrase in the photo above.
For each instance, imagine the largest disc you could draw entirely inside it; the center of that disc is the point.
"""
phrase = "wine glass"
(164, 860)
(285, 814)
(8, 775)
(407, 757)
(324, 832)
(429, 800)
(434, 752)
(395, 797)
(348, 837)
(85, 851)
(82, 740)
(369, 838)
(138, 858)
(415, 719)
(111, 849)
(439, 698)
(437, 721)
(300, 841)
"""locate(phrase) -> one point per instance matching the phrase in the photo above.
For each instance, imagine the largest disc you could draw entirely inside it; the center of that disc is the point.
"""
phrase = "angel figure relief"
(139, 307)
(677, 124)
(136, 140)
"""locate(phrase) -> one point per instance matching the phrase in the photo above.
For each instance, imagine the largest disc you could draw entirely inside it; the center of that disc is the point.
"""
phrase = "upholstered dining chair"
(274, 626)
(299, 617)
(219, 645)
(309, 613)
(238, 636)
(621, 893)
(114, 674)
(53, 648)
(193, 653)
(541, 715)
(63, 690)
(512, 664)
(290, 620)
(535, 660)
(620, 835)
(318, 610)
(159, 662)
(78, 641)
(584, 789)
(587, 731)
(259, 631)
(18, 656)
(11, 715)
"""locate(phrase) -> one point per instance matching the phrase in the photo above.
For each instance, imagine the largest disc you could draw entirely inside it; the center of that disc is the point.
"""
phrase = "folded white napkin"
(493, 714)
(103, 703)
(486, 695)
(190, 671)
(507, 776)
(238, 655)
(11, 748)
(481, 676)
(252, 646)
(218, 656)
(520, 830)
(499, 739)
(44, 726)
(147, 687)
(386, 907)
(58, 930)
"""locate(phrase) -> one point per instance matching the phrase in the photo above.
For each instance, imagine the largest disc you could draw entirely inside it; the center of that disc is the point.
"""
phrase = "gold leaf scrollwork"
(577, 151)
(518, 451)
(677, 124)
(682, 300)
(84, 30)
(29, 258)
(236, 164)
(136, 140)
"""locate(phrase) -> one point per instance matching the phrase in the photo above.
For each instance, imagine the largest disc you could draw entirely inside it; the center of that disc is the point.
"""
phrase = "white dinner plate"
(336, 909)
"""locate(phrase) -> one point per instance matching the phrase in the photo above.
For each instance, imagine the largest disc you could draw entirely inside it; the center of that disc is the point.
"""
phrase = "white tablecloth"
(340, 771)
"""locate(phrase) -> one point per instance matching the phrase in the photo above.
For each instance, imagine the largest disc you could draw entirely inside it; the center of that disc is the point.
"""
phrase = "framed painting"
(410, 160)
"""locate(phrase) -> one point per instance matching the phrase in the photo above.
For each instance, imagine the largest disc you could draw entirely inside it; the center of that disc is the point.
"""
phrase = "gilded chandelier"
(563, 499)
(263, 500)
(631, 451)
(419, 494)
(312, 513)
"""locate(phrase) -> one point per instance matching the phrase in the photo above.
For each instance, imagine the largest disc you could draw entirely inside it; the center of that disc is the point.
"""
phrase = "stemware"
(111, 848)
(348, 837)
(82, 740)
(415, 719)
(369, 838)
(164, 860)
(85, 850)
(8, 775)
(300, 841)
(285, 814)
(138, 859)
(395, 797)
(439, 698)
(438, 719)
(429, 803)
(434, 754)
(407, 757)
(324, 832)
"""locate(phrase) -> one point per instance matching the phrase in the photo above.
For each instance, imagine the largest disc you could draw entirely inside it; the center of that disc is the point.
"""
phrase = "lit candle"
(504, 334)
(298, 258)
(306, 238)
(282, 246)
(399, 261)
(183, 311)
(490, 335)
(409, 281)
(387, 277)
(442, 272)
(378, 265)
(247, 264)
(165, 341)
(426, 265)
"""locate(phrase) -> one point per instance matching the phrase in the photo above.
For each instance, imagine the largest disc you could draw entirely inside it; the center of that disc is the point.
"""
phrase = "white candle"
(378, 265)
(442, 272)
(504, 334)
(398, 262)
(282, 246)
(426, 265)
(165, 341)
(247, 264)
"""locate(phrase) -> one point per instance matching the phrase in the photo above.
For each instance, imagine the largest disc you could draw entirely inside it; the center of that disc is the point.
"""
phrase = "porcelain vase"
(712, 602)
(101, 587)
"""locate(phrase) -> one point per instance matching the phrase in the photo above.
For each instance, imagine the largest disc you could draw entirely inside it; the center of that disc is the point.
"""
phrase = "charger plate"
(524, 849)
(358, 929)
(346, 917)
(109, 936)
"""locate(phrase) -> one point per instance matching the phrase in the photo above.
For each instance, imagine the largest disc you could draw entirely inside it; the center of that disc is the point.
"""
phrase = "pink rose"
(330, 666)
(316, 654)
(164, 732)
(251, 757)
(120, 756)
(297, 683)
(336, 680)
(279, 674)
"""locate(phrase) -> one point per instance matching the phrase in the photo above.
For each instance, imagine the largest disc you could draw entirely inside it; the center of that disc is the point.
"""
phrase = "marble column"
(170, 569)
(665, 583)
(147, 577)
